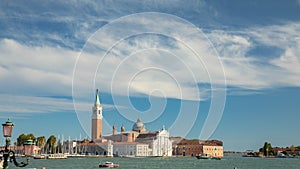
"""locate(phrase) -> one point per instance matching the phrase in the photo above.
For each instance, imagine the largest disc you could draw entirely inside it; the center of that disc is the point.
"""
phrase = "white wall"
(130, 149)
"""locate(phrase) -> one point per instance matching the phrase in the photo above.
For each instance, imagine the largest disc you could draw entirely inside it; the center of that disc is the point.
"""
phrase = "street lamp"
(28, 147)
(7, 128)
(7, 153)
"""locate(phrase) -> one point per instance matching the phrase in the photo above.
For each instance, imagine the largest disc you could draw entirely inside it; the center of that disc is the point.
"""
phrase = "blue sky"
(225, 70)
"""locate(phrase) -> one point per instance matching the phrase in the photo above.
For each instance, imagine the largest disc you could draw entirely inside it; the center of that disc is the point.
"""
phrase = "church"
(146, 143)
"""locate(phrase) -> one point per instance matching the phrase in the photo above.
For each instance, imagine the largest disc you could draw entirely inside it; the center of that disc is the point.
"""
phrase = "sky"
(226, 70)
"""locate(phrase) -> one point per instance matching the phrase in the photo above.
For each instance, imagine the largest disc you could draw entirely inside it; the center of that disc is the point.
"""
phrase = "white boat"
(57, 156)
(281, 155)
(108, 165)
(203, 156)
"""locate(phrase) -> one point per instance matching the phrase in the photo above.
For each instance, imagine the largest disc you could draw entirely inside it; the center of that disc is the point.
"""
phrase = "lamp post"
(7, 153)
(28, 147)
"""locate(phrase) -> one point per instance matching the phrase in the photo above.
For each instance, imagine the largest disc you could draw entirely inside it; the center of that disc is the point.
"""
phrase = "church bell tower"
(97, 119)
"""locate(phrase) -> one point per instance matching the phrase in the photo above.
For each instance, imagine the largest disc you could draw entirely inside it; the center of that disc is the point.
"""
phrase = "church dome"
(139, 126)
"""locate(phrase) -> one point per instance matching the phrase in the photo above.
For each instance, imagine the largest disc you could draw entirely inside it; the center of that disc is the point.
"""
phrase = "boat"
(42, 156)
(57, 156)
(250, 153)
(203, 156)
(207, 156)
(108, 164)
(281, 155)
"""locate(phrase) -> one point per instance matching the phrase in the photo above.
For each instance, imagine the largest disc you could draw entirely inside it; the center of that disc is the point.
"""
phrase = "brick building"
(185, 147)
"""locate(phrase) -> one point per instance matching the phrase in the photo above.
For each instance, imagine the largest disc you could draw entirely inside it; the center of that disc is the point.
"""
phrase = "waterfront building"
(93, 148)
(159, 143)
(213, 150)
(185, 147)
(287, 150)
(133, 149)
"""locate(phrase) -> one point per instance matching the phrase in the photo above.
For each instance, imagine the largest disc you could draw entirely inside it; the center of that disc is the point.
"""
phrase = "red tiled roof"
(146, 135)
(200, 142)
(92, 144)
(186, 142)
(126, 143)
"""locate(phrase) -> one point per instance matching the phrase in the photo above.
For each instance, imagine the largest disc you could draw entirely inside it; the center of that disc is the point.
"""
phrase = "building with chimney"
(159, 143)
(185, 147)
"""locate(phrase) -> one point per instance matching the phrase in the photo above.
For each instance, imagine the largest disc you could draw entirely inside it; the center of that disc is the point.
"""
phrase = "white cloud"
(43, 69)
(252, 72)
(230, 45)
(169, 49)
(23, 106)
(48, 70)
(40, 70)
(289, 62)
(33, 104)
(280, 36)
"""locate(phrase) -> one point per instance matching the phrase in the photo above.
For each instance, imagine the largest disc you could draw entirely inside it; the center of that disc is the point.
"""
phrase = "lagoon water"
(228, 162)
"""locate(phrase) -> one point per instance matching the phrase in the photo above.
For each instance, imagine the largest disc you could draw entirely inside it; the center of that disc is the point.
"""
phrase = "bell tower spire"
(97, 119)
(97, 100)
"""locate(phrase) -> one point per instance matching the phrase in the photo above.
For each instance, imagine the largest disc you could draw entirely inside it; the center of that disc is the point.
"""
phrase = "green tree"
(21, 139)
(30, 137)
(293, 148)
(267, 149)
(41, 143)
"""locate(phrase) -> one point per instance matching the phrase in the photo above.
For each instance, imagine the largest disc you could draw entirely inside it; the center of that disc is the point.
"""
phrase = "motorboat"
(207, 156)
(203, 156)
(108, 164)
